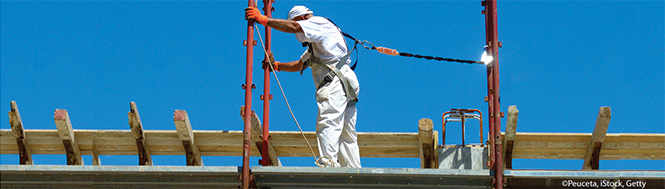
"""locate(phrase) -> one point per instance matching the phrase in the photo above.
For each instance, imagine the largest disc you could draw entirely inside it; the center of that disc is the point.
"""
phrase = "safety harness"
(334, 70)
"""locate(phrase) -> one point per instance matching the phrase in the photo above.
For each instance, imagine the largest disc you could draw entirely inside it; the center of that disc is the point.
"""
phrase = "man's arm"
(293, 66)
(288, 26)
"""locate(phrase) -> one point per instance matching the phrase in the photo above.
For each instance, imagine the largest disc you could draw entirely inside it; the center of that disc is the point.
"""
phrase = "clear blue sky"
(560, 62)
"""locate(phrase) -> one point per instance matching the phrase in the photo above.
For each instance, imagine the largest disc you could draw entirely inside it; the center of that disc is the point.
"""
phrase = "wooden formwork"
(195, 143)
(422, 144)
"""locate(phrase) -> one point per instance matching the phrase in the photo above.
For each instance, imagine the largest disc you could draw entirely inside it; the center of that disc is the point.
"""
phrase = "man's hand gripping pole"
(252, 13)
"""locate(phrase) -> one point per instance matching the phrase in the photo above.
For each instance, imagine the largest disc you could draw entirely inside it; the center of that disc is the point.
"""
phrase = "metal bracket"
(269, 97)
(461, 115)
(244, 42)
(244, 86)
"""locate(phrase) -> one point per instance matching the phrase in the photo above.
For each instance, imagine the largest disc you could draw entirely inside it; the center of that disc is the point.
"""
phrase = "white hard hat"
(298, 10)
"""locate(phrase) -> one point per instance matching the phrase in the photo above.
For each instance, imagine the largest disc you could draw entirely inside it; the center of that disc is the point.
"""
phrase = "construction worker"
(336, 83)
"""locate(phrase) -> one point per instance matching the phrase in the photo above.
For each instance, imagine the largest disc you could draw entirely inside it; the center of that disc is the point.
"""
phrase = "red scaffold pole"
(493, 100)
(267, 9)
(248, 102)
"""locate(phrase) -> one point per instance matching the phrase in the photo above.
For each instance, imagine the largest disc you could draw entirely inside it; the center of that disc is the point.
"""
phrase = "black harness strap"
(355, 45)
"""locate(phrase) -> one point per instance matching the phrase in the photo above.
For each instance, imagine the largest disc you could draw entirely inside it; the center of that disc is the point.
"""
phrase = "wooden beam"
(427, 145)
(256, 138)
(435, 135)
(66, 134)
(137, 129)
(95, 153)
(186, 135)
(509, 140)
(592, 157)
(647, 146)
(25, 157)
(372, 144)
(256, 129)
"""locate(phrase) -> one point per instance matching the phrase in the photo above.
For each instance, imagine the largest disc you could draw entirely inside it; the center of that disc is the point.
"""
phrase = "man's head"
(299, 13)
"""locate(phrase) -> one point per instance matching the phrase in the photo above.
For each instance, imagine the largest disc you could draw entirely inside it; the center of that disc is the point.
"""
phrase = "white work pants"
(336, 123)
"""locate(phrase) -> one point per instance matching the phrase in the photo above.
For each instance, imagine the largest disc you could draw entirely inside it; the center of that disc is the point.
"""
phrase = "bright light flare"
(486, 58)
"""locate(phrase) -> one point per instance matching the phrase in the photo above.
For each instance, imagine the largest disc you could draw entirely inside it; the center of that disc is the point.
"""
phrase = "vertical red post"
(248, 101)
(267, 9)
(493, 98)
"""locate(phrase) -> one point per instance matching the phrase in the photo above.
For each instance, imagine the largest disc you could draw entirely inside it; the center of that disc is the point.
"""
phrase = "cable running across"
(393, 52)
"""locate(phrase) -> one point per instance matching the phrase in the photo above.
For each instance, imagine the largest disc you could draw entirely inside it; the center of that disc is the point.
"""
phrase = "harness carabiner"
(372, 47)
